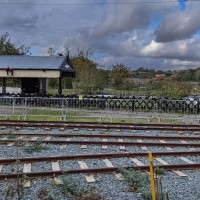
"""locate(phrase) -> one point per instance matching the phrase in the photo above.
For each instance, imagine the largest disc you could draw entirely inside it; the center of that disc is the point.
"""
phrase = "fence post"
(133, 104)
(62, 107)
(25, 106)
(155, 106)
(153, 189)
(198, 109)
(13, 106)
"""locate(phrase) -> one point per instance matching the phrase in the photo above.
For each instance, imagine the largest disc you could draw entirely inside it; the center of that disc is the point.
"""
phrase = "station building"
(33, 71)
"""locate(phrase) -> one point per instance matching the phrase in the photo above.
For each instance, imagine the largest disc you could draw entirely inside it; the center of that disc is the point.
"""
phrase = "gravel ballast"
(183, 188)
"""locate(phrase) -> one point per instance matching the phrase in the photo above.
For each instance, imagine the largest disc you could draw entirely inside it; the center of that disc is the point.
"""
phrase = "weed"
(21, 143)
(159, 170)
(3, 143)
(10, 192)
(11, 137)
(53, 183)
(24, 179)
(134, 178)
(71, 189)
(35, 147)
(89, 194)
(44, 194)
(103, 133)
(146, 195)
(16, 189)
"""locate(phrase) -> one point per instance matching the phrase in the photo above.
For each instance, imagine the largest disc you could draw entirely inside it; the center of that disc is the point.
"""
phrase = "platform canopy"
(20, 66)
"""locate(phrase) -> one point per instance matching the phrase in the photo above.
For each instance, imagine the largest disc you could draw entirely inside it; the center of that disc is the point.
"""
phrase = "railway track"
(54, 138)
(44, 174)
(56, 159)
(102, 135)
(123, 126)
(96, 156)
(92, 149)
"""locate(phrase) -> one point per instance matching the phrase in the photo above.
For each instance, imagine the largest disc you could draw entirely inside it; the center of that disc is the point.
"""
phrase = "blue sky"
(155, 21)
(182, 4)
(161, 35)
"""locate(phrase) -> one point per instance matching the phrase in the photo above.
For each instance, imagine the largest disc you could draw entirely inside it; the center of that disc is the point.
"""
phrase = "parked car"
(140, 96)
(105, 95)
(194, 99)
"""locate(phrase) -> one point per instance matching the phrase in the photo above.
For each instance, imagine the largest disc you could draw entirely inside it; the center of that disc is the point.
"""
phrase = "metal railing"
(63, 107)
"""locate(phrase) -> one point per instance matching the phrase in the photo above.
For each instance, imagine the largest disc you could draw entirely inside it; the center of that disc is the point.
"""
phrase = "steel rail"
(103, 136)
(94, 156)
(102, 125)
(105, 127)
(77, 142)
(44, 174)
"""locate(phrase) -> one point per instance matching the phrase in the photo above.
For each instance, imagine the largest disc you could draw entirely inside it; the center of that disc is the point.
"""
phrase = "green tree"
(88, 78)
(103, 78)
(8, 48)
(185, 75)
(197, 74)
(170, 88)
(53, 83)
(144, 73)
(119, 75)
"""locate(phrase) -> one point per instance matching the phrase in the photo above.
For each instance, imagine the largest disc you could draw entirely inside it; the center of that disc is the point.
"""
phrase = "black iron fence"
(92, 103)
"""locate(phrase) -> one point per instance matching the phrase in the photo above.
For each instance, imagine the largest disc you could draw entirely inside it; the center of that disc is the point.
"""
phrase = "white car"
(192, 99)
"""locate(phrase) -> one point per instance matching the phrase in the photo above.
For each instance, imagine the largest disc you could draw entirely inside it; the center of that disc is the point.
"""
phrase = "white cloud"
(120, 33)
(185, 63)
(183, 49)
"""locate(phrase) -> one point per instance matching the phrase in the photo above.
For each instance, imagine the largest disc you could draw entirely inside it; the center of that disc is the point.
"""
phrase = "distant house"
(160, 75)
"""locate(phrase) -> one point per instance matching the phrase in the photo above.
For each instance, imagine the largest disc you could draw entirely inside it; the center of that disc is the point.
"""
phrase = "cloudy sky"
(159, 34)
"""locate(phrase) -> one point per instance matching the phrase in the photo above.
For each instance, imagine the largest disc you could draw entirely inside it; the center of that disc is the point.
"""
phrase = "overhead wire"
(98, 3)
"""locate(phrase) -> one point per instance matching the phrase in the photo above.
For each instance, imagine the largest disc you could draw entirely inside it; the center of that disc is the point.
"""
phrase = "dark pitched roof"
(35, 62)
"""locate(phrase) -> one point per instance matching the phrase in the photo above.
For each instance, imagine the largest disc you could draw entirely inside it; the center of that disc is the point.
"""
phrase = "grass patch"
(146, 195)
(81, 119)
(129, 120)
(73, 190)
(2, 143)
(44, 194)
(11, 137)
(54, 91)
(16, 190)
(139, 182)
(160, 171)
(43, 118)
(135, 179)
(2, 117)
(44, 111)
(170, 121)
(35, 147)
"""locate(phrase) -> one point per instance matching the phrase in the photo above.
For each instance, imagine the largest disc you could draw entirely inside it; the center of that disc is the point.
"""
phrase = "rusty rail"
(102, 123)
(131, 126)
(96, 156)
(96, 170)
(77, 142)
(104, 136)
